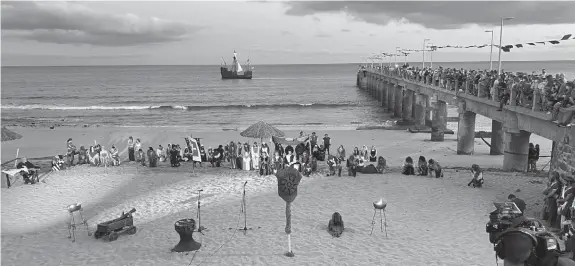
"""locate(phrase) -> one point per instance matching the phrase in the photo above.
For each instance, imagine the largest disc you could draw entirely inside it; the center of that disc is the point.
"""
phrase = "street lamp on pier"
(501, 41)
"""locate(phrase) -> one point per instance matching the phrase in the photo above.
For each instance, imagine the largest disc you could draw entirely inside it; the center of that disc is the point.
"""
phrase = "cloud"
(72, 23)
(445, 14)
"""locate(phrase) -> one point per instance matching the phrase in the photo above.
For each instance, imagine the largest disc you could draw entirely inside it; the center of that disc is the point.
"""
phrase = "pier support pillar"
(378, 90)
(420, 106)
(497, 138)
(428, 111)
(390, 97)
(466, 133)
(397, 112)
(516, 151)
(439, 121)
(407, 107)
(382, 93)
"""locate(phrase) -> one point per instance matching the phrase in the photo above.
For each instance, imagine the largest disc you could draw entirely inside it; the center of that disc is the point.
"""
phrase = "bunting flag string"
(504, 48)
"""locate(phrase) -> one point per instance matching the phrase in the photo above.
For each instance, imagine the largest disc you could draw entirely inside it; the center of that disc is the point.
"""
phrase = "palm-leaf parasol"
(8, 135)
(261, 130)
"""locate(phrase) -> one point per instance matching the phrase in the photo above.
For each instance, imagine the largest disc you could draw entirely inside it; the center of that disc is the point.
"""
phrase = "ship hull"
(228, 74)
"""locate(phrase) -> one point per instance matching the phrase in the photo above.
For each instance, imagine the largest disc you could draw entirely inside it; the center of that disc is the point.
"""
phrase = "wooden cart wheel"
(113, 236)
(132, 230)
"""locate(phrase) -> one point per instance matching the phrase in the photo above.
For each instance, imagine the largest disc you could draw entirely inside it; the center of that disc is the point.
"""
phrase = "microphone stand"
(200, 228)
(244, 209)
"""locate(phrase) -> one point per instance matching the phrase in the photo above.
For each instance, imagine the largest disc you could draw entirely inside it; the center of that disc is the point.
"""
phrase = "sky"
(274, 32)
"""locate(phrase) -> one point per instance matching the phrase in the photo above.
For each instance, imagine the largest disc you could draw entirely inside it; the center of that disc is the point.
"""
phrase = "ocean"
(288, 96)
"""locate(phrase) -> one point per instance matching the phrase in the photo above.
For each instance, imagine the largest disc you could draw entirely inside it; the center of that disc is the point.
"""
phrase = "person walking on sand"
(326, 143)
(131, 151)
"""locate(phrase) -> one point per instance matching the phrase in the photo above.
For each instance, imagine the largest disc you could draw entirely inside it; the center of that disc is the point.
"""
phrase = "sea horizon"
(291, 64)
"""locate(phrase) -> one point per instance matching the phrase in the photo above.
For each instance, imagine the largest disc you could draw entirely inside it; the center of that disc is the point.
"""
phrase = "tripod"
(200, 227)
(244, 210)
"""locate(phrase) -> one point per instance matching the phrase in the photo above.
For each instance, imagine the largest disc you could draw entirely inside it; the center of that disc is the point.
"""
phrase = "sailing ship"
(236, 71)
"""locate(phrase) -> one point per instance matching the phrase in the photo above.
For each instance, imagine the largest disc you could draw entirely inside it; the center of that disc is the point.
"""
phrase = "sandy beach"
(430, 221)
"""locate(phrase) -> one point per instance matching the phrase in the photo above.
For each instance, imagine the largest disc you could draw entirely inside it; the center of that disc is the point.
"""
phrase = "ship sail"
(239, 67)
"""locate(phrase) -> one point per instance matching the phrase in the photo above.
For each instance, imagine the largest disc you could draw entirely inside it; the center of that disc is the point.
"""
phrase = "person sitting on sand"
(477, 180)
(289, 148)
(105, 156)
(142, 157)
(28, 170)
(408, 168)
(247, 159)
(356, 151)
(82, 156)
(152, 157)
(255, 156)
(373, 154)
(160, 153)
(335, 226)
(341, 153)
(365, 151)
(307, 169)
(352, 166)
(422, 166)
(334, 165)
(381, 164)
(313, 165)
(305, 157)
(315, 152)
(289, 157)
(57, 164)
(115, 156)
(433, 166)
(187, 154)
(94, 157)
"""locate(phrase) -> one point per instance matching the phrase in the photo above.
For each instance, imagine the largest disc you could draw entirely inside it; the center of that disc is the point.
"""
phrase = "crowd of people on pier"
(537, 91)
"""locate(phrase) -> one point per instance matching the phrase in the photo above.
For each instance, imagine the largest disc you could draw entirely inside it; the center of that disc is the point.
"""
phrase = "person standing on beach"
(313, 139)
(71, 152)
(326, 143)
(131, 155)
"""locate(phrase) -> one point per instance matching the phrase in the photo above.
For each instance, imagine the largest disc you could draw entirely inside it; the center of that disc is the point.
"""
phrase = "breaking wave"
(178, 107)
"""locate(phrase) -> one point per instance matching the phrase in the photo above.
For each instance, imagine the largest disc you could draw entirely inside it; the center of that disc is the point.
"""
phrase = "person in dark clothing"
(505, 95)
(408, 168)
(313, 139)
(174, 157)
(531, 158)
(30, 171)
(519, 202)
(326, 143)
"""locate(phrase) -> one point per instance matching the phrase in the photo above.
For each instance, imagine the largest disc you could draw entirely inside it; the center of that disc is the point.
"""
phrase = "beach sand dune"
(430, 221)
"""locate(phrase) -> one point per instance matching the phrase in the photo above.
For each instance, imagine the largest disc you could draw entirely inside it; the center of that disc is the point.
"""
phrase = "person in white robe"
(246, 164)
(255, 156)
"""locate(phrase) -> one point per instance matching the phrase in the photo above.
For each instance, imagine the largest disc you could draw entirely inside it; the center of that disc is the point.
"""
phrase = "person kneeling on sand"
(142, 157)
(352, 166)
(408, 168)
(334, 165)
(477, 180)
(434, 167)
(422, 166)
(335, 226)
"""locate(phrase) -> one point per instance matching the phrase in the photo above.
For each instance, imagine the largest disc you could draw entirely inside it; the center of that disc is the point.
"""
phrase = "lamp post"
(431, 54)
(491, 52)
(501, 41)
(396, 51)
(423, 53)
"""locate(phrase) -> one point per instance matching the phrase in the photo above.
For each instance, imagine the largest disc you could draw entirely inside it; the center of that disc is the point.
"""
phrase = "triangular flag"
(508, 46)
(554, 42)
(506, 49)
(566, 37)
(541, 43)
(530, 43)
(519, 45)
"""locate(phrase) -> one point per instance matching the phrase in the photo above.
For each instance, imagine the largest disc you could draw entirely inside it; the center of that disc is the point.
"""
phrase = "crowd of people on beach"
(547, 92)
(559, 208)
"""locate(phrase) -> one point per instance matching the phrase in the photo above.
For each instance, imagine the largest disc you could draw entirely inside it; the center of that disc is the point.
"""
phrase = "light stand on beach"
(244, 210)
(200, 228)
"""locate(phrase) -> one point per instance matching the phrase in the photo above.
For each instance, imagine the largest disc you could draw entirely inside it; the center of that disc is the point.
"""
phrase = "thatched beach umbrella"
(8, 135)
(261, 130)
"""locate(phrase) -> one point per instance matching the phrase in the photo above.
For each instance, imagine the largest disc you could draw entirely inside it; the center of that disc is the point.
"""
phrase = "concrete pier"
(411, 101)
(516, 151)
(438, 121)
(398, 108)
(466, 133)
(407, 107)
(497, 138)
